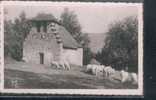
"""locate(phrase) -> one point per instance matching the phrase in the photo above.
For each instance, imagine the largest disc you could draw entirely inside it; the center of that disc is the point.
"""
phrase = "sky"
(94, 18)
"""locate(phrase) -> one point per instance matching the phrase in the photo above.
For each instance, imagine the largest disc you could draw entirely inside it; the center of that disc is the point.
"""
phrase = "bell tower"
(41, 23)
(46, 28)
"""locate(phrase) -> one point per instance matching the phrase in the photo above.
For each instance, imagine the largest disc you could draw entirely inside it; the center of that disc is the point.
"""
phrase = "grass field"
(42, 77)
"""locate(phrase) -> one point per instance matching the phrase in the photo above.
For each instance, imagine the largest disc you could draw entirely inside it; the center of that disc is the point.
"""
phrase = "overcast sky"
(93, 18)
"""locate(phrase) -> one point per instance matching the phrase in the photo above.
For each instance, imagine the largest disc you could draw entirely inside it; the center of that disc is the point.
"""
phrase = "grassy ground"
(49, 78)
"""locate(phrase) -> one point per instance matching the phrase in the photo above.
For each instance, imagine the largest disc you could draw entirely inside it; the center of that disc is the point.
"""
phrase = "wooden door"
(41, 58)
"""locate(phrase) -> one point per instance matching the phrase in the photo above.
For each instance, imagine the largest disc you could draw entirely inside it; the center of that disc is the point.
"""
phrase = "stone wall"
(46, 43)
(74, 56)
(34, 45)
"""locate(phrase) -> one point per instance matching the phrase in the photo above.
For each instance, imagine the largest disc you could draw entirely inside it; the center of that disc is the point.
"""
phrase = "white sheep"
(67, 65)
(94, 68)
(64, 64)
(134, 78)
(125, 76)
(108, 70)
(105, 71)
(55, 63)
(61, 64)
(89, 68)
(99, 70)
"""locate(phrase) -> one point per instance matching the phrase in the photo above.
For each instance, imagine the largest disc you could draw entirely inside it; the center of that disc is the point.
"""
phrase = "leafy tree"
(9, 34)
(121, 45)
(87, 54)
(14, 34)
(70, 21)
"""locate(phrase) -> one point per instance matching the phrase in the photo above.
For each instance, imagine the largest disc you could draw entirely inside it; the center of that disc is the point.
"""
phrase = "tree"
(70, 21)
(9, 34)
(87, 54)
(121, 45)
(14, 34)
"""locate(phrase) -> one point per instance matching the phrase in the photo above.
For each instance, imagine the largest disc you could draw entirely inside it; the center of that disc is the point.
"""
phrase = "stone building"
(49, 41)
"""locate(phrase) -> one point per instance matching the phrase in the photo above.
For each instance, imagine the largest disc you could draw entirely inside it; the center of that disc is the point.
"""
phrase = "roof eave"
(48, 20)
(66, 47)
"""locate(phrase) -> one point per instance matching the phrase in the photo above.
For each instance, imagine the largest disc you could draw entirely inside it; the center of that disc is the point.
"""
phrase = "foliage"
(9, 34)
(87, 54)
(14, 34)
(70, 22)
(121, 45)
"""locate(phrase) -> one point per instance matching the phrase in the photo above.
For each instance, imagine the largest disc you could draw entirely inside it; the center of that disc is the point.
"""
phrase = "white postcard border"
(138, 91)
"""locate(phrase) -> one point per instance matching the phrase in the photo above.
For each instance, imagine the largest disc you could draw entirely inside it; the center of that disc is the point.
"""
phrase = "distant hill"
(97, 41)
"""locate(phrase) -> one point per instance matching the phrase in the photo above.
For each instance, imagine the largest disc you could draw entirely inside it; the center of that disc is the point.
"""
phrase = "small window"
(45, 27)
(53, 30)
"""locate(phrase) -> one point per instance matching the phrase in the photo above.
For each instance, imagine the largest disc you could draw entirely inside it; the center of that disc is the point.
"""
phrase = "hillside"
(22, 75)
(97, 41)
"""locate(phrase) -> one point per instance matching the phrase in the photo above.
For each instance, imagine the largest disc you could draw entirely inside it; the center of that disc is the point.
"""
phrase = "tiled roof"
(67, 39)
(45, 17)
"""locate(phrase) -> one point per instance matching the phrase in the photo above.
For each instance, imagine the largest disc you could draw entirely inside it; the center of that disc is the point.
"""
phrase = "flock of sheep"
(101, 70)
(108, 72)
